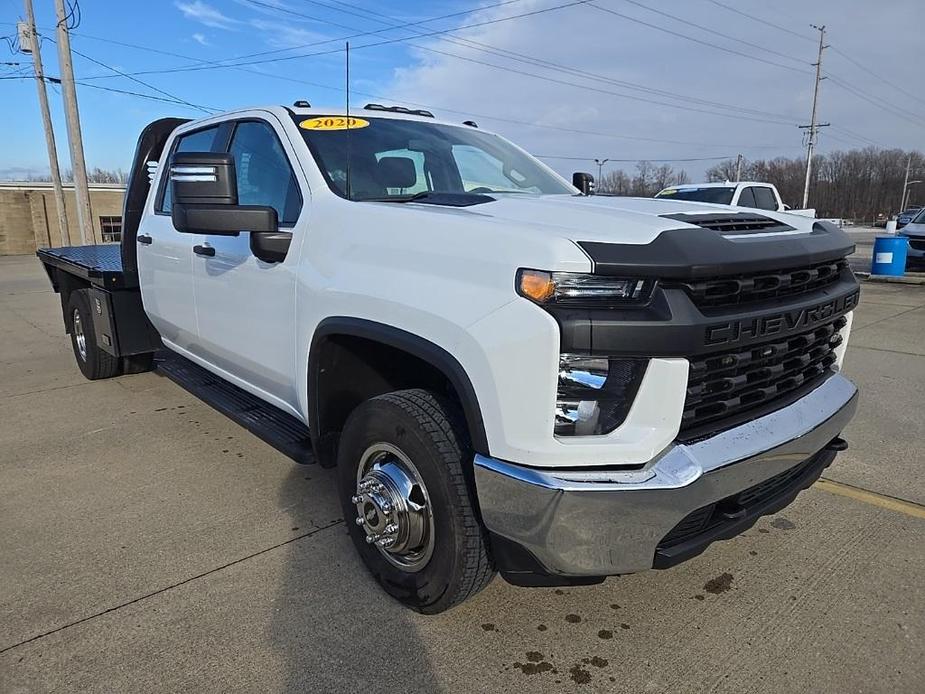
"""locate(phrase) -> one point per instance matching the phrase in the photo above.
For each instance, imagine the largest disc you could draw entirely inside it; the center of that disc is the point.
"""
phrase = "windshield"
(716, 195)
(393, 159)
(920, 217)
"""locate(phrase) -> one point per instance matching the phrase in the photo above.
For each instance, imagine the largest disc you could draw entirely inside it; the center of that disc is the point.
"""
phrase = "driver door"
(245, 305)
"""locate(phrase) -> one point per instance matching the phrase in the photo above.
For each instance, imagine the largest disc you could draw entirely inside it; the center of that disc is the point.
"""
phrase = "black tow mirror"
(205, 197)
(584, 182)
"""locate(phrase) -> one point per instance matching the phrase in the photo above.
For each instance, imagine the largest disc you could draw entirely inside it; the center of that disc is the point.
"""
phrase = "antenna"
(347, 56)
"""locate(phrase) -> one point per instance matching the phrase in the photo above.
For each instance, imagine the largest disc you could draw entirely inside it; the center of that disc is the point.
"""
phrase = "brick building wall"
(28, 219)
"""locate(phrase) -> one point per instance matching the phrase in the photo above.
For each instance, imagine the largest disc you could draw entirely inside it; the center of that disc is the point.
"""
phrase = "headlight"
(576, 289)
(595, 393)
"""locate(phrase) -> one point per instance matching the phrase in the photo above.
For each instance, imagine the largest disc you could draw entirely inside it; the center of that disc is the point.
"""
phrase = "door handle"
(207, 251)
(145, 239)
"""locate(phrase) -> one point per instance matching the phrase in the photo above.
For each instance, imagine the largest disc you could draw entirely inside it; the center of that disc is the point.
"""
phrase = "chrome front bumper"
(600, 523)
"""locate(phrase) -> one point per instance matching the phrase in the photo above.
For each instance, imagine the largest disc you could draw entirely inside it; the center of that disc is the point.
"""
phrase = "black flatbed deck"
(101, 265)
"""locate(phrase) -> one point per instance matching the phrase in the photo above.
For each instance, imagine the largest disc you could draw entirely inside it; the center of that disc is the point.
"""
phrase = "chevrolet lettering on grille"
(778, 323)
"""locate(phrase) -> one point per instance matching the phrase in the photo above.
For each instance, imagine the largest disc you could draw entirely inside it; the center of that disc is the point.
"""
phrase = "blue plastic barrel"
(889, 256)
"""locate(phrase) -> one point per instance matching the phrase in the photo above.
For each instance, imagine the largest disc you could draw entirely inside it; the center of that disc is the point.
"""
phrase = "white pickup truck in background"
(751, 194)
(507, 374)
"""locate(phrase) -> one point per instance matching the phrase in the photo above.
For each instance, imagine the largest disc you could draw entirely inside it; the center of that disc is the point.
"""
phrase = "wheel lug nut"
(390, 528)
(360, 520)
(386, 509)
(370, 539)
(356, 499)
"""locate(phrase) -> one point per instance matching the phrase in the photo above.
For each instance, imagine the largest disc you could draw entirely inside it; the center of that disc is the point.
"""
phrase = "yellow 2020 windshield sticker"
(332, 123)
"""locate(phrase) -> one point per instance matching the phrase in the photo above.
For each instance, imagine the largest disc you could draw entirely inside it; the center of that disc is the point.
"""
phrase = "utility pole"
(813, 126)
(902, 203)
(81, 187)
(33, 44)
(738, 168)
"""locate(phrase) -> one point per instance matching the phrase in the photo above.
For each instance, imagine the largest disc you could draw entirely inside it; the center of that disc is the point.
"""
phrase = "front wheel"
(407, 503)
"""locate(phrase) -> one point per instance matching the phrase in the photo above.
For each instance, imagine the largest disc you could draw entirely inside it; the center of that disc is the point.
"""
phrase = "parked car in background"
(751, 194)
(906, 216)
(914, 230)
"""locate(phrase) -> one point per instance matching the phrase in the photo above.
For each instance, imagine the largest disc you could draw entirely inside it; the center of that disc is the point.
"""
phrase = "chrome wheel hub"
(79, 337)
(393, 507)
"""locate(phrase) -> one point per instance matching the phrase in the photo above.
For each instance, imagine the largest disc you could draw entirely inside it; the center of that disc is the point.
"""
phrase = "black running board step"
(284, 432)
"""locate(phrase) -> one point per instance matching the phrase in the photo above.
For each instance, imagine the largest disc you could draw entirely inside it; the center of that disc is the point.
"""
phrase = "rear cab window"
(718, 195)
(747, 197)
(764, 198)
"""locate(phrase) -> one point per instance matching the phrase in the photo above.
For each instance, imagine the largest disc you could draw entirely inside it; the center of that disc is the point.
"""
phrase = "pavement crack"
(115, 608)
(901, 313)
(889, 351)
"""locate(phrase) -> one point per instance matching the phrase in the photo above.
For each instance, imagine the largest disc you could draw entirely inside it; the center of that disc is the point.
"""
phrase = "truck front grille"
(743, 289)
(917, 245)
(725, 385)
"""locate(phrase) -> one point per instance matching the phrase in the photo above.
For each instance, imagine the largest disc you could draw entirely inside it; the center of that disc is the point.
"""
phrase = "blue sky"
(622, 79)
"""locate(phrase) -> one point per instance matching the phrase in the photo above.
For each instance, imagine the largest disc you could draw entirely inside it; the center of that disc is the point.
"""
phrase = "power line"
(883, 79)
(696, 40)
(143, 96)
(173, 97)
(466, 113)
(775, 119)
(57, 81)
(835, 49)
(894, 110)
(713, 31)
(341, 39)
(762, 21)
(540, 62)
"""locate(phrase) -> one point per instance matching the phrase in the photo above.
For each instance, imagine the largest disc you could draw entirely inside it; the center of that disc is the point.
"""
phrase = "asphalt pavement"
(149, 544)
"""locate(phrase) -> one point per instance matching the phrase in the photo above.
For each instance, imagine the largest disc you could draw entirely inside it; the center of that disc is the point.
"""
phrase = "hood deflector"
(733, 223)
(690, 254)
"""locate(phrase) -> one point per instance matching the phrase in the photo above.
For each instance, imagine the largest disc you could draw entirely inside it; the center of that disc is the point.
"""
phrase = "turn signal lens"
(536, 285)
(576, 289)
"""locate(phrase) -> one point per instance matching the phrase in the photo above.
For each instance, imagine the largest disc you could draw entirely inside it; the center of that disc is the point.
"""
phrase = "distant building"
(28, 219)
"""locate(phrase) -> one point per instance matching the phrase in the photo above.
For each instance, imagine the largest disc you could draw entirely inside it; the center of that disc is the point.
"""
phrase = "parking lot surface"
(149, 544)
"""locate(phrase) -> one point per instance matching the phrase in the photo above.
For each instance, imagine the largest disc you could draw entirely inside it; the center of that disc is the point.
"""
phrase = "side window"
(747, 198)
(765, 199)
(263, 171)
(198, 141)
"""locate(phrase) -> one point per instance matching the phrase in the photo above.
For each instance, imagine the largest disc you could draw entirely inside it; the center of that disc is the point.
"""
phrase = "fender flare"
(414, 345)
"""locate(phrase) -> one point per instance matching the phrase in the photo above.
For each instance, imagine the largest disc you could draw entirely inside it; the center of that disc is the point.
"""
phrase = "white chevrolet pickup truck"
(508, 375)
(750, 194)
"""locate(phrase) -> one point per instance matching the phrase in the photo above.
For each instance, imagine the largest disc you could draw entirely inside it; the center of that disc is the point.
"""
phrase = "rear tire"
(440, 557)
(92, 361)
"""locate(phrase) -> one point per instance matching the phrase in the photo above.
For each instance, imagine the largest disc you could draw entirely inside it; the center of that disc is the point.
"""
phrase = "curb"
(916, 279)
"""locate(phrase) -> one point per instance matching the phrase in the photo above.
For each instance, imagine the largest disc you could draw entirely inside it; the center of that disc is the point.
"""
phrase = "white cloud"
(201, 39)
(284, 35)
(588, 40)
(204, 13)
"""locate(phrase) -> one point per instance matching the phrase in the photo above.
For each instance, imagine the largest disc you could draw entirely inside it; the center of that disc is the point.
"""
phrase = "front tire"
(407, 503)
(92, 361)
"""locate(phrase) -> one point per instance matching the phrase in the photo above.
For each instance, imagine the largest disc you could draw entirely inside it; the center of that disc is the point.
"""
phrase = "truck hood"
(607, 219)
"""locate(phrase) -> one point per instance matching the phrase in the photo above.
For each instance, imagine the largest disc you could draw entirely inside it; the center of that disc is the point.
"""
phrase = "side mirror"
(584, 182)
(205, 197)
